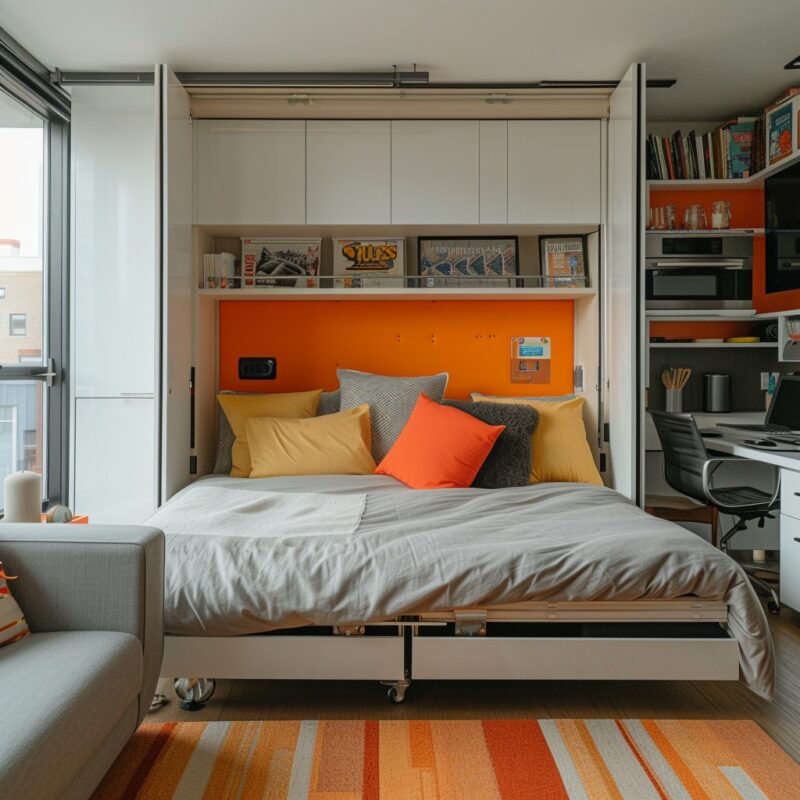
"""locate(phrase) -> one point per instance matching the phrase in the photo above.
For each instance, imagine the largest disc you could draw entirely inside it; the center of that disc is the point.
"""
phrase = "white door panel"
(113, 462)
(114, 240)
(554, 171)
(176, 285)
(250, 172)
(623, 297)
(435, 172)
(348, 172)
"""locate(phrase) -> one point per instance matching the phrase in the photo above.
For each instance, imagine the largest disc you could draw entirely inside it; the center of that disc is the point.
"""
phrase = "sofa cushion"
(61, 694)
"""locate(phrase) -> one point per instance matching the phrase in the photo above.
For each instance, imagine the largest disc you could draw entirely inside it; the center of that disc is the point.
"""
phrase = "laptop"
(783, 415)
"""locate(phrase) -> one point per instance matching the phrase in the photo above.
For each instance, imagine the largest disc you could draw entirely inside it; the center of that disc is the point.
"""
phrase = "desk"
(789, 463)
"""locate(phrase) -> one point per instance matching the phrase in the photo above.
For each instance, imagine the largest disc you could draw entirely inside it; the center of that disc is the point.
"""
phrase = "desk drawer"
(790, 561)
(790, 493)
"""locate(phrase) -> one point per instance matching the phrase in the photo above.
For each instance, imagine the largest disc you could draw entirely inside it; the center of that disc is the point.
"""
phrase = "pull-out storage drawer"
(790, 561)
(590, 658)
(278, 657)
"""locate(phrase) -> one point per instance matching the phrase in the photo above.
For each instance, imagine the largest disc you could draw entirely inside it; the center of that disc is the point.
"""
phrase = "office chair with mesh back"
(690, 470)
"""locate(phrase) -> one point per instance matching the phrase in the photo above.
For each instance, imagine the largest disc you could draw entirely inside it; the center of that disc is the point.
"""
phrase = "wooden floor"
(257, 700)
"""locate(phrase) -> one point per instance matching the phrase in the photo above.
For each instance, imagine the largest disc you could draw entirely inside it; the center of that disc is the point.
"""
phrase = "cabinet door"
(435, 169)
(114, 240)
(554, 171)
(494, 171)
(176, 284)
(250, 172)
(114, 469)
(790, 561)
(623, 295)
(348, 172)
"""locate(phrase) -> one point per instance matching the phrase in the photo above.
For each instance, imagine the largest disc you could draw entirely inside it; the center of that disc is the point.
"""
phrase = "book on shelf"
(220, 271)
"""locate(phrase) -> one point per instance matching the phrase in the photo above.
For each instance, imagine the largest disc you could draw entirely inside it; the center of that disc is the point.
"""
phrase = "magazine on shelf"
(286, 262)
(368, 263)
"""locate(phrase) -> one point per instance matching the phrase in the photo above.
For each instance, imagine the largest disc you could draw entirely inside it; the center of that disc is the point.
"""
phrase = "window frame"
(28, 81)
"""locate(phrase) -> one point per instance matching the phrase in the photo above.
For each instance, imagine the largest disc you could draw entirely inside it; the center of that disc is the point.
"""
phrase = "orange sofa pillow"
(439, 448)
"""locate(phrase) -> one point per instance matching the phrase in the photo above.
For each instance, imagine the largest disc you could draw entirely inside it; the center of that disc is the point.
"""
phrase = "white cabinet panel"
(554, 171)
(790, 561)
(114, 240)
(435, 171)
(494, 171)
(250, 172)
(348, 172)
(114, 467)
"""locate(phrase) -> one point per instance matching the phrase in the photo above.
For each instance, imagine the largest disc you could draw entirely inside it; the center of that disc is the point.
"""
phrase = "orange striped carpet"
(452, 760)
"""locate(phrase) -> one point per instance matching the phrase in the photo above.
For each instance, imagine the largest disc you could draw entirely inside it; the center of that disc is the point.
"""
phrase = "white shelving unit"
(388, 293)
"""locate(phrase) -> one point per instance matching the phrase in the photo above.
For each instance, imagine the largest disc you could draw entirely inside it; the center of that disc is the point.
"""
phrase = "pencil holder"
(674, 403)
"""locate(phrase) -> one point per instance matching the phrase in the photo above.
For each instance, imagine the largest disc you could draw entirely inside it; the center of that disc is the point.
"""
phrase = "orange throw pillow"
(439, 448)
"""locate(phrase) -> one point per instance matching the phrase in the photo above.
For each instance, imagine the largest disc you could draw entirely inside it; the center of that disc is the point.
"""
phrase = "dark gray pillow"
(328, 404)
(391, 401)
(509, 461)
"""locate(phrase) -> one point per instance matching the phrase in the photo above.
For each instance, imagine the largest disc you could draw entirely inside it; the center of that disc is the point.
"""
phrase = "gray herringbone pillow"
(391, 401)
(328, 404)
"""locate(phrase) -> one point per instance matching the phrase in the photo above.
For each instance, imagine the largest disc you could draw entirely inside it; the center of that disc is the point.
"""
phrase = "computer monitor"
(784, 410)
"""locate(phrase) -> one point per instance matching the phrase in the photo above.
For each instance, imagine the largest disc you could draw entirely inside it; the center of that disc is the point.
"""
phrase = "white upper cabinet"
(435, 172)
(554, 171)
(348, 172)
(494, 171)
(250, 172)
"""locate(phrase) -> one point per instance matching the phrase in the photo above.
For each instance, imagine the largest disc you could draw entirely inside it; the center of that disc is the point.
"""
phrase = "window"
(17, 325)
(34, 216)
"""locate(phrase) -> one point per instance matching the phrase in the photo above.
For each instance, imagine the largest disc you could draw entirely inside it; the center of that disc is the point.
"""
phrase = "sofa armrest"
(91, 577)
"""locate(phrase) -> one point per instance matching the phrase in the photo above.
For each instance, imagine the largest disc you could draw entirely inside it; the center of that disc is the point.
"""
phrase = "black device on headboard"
(262, 368)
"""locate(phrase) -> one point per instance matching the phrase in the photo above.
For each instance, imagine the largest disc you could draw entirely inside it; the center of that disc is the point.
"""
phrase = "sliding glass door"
(33, 203)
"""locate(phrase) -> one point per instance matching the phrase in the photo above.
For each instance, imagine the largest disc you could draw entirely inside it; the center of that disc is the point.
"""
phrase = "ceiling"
(726, 55)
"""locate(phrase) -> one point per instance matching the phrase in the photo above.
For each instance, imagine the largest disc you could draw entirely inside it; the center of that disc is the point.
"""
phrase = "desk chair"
(690, 470)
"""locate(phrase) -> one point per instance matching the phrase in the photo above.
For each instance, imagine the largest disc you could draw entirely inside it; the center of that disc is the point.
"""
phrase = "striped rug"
(452, 760)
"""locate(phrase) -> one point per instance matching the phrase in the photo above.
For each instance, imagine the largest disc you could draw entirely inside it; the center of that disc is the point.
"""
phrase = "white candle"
(759, 556)
(23, 497)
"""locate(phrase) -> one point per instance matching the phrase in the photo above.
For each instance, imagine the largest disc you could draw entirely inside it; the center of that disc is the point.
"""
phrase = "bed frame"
(662, 640)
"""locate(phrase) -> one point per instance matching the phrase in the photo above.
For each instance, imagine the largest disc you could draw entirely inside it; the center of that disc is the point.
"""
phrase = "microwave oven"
(685, 271)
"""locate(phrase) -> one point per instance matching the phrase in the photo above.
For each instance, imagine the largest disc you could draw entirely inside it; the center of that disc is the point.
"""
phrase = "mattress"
(415, 550)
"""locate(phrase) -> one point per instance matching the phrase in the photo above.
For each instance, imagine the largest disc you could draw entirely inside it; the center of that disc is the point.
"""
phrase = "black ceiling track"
(321, 80)
(28, 79)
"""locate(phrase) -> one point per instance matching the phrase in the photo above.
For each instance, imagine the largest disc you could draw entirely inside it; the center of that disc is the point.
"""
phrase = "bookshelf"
(753, 182)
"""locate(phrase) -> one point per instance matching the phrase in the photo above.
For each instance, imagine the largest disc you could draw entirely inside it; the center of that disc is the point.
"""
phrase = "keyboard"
(759, 428)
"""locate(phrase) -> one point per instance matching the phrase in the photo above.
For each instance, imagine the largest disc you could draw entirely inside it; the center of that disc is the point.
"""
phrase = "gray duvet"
(418, 550)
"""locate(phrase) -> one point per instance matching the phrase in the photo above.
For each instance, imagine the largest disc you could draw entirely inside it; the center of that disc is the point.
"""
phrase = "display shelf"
(698, 315)
(723, 345)
(455, 293)
(707, 232)
(753, 182)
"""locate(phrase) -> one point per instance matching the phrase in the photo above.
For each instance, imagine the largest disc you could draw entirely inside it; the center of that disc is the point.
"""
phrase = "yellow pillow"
(238, 408)
(336, 444)
(559, 450)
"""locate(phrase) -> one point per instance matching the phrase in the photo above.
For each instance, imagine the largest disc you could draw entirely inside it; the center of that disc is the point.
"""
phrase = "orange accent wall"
(469, 339)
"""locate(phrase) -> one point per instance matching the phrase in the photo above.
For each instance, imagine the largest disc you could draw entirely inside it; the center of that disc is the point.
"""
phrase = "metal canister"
(716, 393)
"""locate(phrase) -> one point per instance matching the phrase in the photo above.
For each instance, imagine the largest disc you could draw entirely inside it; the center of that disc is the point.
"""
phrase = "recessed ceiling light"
(793, 64)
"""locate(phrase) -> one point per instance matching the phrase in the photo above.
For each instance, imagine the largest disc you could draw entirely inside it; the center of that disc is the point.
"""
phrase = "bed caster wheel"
(397, 692)
(194, 692)
(773, 607)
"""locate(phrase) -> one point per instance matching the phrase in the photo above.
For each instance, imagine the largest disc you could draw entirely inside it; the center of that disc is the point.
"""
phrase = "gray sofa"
(73, 692)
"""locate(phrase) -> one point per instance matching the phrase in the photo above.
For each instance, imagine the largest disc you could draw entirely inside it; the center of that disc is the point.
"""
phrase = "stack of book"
(220, 271)
(723, 153)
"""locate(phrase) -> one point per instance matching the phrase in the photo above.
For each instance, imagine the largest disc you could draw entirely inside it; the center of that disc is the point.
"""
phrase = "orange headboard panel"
(469, 339)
